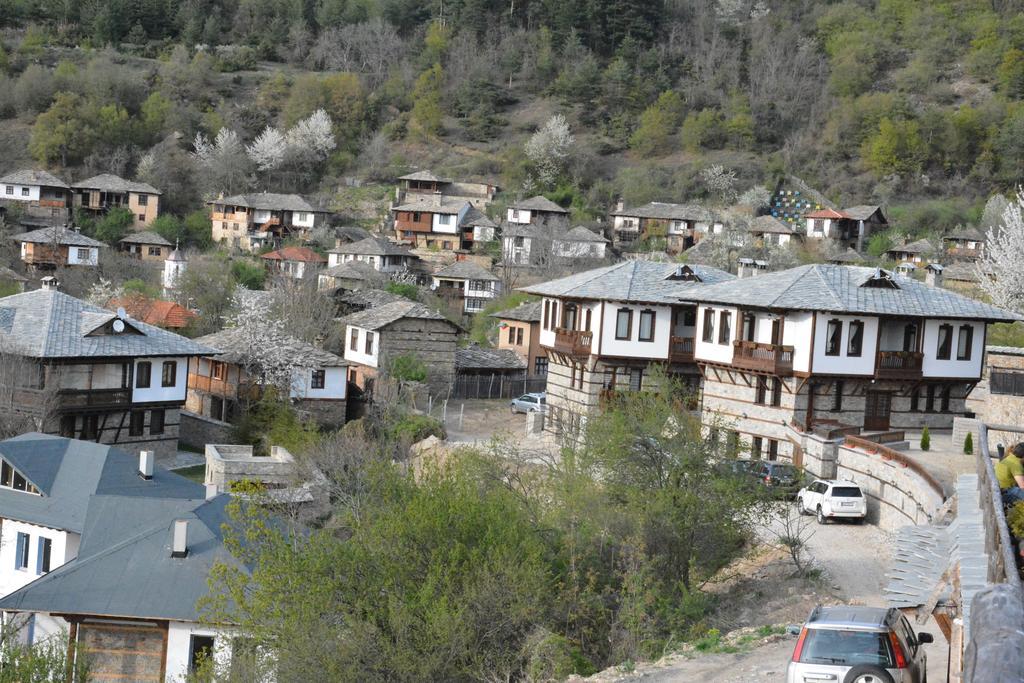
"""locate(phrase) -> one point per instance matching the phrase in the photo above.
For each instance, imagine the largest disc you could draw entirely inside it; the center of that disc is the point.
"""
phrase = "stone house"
(770, 230)
(850, 227)
(145, 245)
(468, 284)
(349, 275)
(378, 334)
(89, 373)
(967, 244)
(106, 191)
(680, 225)
(380, 254)
(41, 196)
(251, 221)
(293, 262)
(219, 383)
(579, 243)
(106, 553)
(424, 185)
(441, 224)
(48, 248)
(604, 330)
(537, 210)
(916, 252)
(999, 397)
(519, 330)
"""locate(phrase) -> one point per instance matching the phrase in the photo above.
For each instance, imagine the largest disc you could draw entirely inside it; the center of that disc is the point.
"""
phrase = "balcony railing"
(773, 358)
(680, 349)
(573, 342)
(94, 398)
(899, 364)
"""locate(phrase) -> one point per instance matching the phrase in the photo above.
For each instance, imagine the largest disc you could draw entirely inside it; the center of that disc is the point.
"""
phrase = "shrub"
(969, 444)
(408, 368)
(926, 439)
(406, 289)
(413, 427)
(1015, 519)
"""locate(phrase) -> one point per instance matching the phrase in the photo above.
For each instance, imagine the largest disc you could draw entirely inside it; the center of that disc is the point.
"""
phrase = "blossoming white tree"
(999, 270)
(223, 162)
(268, 149)
(263, 335)
(549, 149)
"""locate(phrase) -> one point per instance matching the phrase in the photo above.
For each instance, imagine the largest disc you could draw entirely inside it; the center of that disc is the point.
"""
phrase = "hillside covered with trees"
(911, 103)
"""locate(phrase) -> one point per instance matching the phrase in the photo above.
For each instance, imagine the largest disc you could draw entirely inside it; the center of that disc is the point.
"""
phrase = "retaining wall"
(197, 431)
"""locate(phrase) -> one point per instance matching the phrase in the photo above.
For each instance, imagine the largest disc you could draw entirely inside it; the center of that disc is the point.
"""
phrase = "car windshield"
(846, 492)
(543, 400)
(846, 647)
(783, 471)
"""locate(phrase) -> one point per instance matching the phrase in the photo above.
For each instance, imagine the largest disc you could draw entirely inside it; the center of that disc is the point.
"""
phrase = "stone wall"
(329, 414)
(432, 341)
(197, 431)
(226, 464)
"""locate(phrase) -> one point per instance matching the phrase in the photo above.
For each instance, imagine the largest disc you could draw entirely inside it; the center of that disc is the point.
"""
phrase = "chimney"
(745, 268)
(146, 465)
(620, 205)
(933, 275)
(437, 198)
(211, 491)
(49, 282)
(179, 547)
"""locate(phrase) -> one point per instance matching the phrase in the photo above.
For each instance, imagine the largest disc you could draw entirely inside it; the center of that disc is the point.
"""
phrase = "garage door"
(123, 651)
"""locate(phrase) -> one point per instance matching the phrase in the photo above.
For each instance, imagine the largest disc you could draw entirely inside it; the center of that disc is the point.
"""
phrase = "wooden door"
(876, 411)
(123, 651)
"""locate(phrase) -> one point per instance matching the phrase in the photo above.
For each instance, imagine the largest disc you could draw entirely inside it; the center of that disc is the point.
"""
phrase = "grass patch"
(196, 473)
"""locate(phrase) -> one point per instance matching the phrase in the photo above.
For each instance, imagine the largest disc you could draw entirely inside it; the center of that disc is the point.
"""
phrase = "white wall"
(335, 382)
(843, 364)
(303, 219)
(33, 193)
(359, 355)
(971, 368)
(91, 259)
(519, 216)
(260, 216)
(64, 547)
(632, 348)
(157, 392)
(450, 228)
(179, 642)
(796, 332)
(713, 351)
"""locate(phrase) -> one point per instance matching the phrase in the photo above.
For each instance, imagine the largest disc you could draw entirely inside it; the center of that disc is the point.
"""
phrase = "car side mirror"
(925, 637)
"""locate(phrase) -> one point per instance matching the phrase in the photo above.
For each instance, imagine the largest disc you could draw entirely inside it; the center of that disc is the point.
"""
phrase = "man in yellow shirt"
(1010, 475)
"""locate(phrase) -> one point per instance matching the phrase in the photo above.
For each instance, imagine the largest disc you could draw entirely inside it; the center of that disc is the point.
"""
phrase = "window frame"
(834, 337)
(368, 343)
(169, 374)
(353, 340)
(708, 326)
(652, 315)
(137, 423)
(157, 425)
(724, 326)
(856, 333)
(144, 373)
(944, 342)
(21, 551)
(318, 379)
(629, 324)
(837, 397)
(968, 345)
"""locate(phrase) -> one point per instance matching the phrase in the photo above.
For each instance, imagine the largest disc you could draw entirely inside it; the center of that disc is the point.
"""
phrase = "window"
(156, 421)
(755, 448)
(142, 217)
(761, 393)
(21, 552)
(547, 314)
(90, 427)
(25, 192)
(929, 405)
(944, 400)
(67, 426)
(154, 251)
(776, 391)
(446, 244)
(773, 449)
(200, 651)
(964, 342)
(511, 335)
(945, 342)
(833, 336)
(1003, 382)
(353, 343)
(587, 321)
(519, 336)
(136, 423)
(915, 400)
(217, 369)
(10, 189)
(708, 334)
(169, 375)
(724, 320)
(83, 254)
(690, 317)
(837, 397)
(444, 219)
(43, 555)
(318, 380)
(540, 366)
(856, 341)
(474, 304)
(636, 379)
(415, 216)
(302, 217)
(369, 343)
(143, 200)
(747, 327)
(646, 326)
(569, 317)
(623, 323)
(819, 225)
(910, 337)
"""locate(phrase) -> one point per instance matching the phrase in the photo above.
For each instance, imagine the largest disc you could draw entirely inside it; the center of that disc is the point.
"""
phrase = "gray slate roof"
(381, 316)
(538, 203)
(838, 289)
(351, 233)
(352, 270)
(8, 274)
(109, 182)
(475, 358)
(770, 225)
(31, 177)
(59, 235)
(862, 212)
(527, 313)
(372, 246)
(921, 246)
(966, 234)
(960, 272)
(432, 205)
(581, 234)
(233, 346)
(368, 298)
(68, 472)
(145, 237)
(46, 323)
(476, 217)
(425, 176)
(849, 256)
(268, 201)
(465, 270)
(639, 281)
(524, 230)
(1005, 350)
(667, 211)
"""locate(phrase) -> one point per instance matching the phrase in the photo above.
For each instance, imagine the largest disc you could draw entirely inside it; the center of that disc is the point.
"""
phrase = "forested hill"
(912, 103)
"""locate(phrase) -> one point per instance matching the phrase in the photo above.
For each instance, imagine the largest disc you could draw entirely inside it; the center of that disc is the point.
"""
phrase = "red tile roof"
(166, 314)
(826, 213)
(295, 254)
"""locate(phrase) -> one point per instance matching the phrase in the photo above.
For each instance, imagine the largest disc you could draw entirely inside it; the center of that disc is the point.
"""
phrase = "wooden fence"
(496, 386)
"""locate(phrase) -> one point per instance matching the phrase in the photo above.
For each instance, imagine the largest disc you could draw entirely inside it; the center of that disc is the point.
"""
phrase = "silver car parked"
(845, 644)
(530, 403)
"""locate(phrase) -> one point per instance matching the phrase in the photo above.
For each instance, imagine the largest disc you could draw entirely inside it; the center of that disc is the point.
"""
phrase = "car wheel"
(513, 409)
(867, 673)
(800, 506)
(821, 516)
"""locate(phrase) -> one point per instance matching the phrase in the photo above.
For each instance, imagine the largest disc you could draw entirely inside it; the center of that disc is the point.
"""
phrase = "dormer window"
(11, 478)
(684, 274)
(882, 279)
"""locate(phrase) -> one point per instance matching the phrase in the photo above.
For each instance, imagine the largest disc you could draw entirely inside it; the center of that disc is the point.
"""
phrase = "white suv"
(832, 499)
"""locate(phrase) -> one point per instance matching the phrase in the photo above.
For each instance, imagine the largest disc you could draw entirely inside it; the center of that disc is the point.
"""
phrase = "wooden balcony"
(53, 203)
(680, 349)
(70, 399)
(899, 365)
(771, 358)
(573, 342)
(211, 385)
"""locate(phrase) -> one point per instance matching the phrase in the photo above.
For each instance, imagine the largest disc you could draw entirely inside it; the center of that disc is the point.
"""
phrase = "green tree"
(702, 129)
(969, 444)
(426, 108)
(1010, 74)
(248, 274)
(155, 112)
(341, 95)
(657, 124)
(926, 439)
(406, 289)
(114, 225)
(62, 133)
(895, 148)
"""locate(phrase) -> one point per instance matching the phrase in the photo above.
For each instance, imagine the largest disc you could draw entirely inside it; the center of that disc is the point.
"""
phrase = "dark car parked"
(784, 480)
